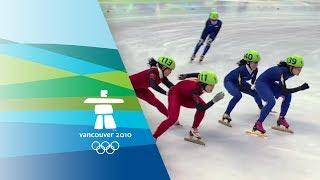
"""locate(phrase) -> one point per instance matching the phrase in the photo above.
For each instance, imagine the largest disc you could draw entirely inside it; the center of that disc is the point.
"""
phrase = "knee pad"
(200, 43)
(209, 41)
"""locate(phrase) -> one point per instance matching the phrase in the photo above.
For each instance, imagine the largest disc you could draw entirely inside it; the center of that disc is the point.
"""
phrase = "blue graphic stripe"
(141, 162)
(20, 139)
(49, 58)
(128, 119)
(70, 22)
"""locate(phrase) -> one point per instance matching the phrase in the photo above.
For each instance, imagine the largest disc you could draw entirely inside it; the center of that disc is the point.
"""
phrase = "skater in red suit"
(152, 77)
(187, 93)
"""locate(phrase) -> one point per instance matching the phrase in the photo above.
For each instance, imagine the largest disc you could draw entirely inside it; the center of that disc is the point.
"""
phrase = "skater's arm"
(294, 90)
(241, 80)
(189, 75)
(286, 90)
(167, 82)
(204, 107)
(254, 77)
(154, 85)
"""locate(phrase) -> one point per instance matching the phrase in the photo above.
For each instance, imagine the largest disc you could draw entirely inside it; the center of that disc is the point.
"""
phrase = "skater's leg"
(255, 95)
(235, 92)
(199, 44)
(198, 115)
(149, 97)
(267, 95)
(285, 105)
(277, 91)
(208, 45)
(173, 111)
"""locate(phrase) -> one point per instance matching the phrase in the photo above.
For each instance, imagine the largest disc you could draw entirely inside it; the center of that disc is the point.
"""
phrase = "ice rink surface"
(276, 29)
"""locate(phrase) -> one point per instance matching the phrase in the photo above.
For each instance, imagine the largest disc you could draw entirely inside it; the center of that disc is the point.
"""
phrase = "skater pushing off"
(208, 35)
(152, 77)
(187, 93)
(236, 83)
(271, 85)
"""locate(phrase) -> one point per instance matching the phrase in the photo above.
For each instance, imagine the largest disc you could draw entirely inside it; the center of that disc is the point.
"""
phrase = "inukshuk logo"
(103, 109)
(104, 120)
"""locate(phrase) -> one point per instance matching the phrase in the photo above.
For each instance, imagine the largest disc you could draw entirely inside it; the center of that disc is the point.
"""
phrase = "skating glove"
(190, 75)
(304, 86)
(182, 76)
(218, 97)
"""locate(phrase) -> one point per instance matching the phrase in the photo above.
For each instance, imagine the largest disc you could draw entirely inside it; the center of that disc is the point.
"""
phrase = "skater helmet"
(295, 61)
(213, 15)
(167, 62)
(252, 56)
(208, 77)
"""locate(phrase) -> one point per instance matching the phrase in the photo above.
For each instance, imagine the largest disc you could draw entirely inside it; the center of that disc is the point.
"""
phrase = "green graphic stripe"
(65, 87)
(102, 56)
(70, 103)
(15, 70)
(118, 78)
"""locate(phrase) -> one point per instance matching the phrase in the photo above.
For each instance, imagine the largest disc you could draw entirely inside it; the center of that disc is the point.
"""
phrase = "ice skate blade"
(283, 129)
(196, 141)
(256, 133)
(225, 123)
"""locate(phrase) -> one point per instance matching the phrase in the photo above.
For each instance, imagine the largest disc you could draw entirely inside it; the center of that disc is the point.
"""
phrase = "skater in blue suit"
(209, 33)
(236, 82)
(271, 84)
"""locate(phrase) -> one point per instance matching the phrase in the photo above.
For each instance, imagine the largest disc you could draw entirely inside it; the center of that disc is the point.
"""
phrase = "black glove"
(182, 76)
(304, 86)
(151, 59)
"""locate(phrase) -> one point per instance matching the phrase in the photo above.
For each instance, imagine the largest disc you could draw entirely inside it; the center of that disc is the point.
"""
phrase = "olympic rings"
(105, 147)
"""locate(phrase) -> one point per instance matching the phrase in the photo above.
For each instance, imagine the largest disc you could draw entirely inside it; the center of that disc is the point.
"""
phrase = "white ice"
(276, 29)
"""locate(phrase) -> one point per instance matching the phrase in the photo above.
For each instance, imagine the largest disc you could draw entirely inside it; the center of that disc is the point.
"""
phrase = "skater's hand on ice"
(218, 97)
(304, 86)
(182, 76)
